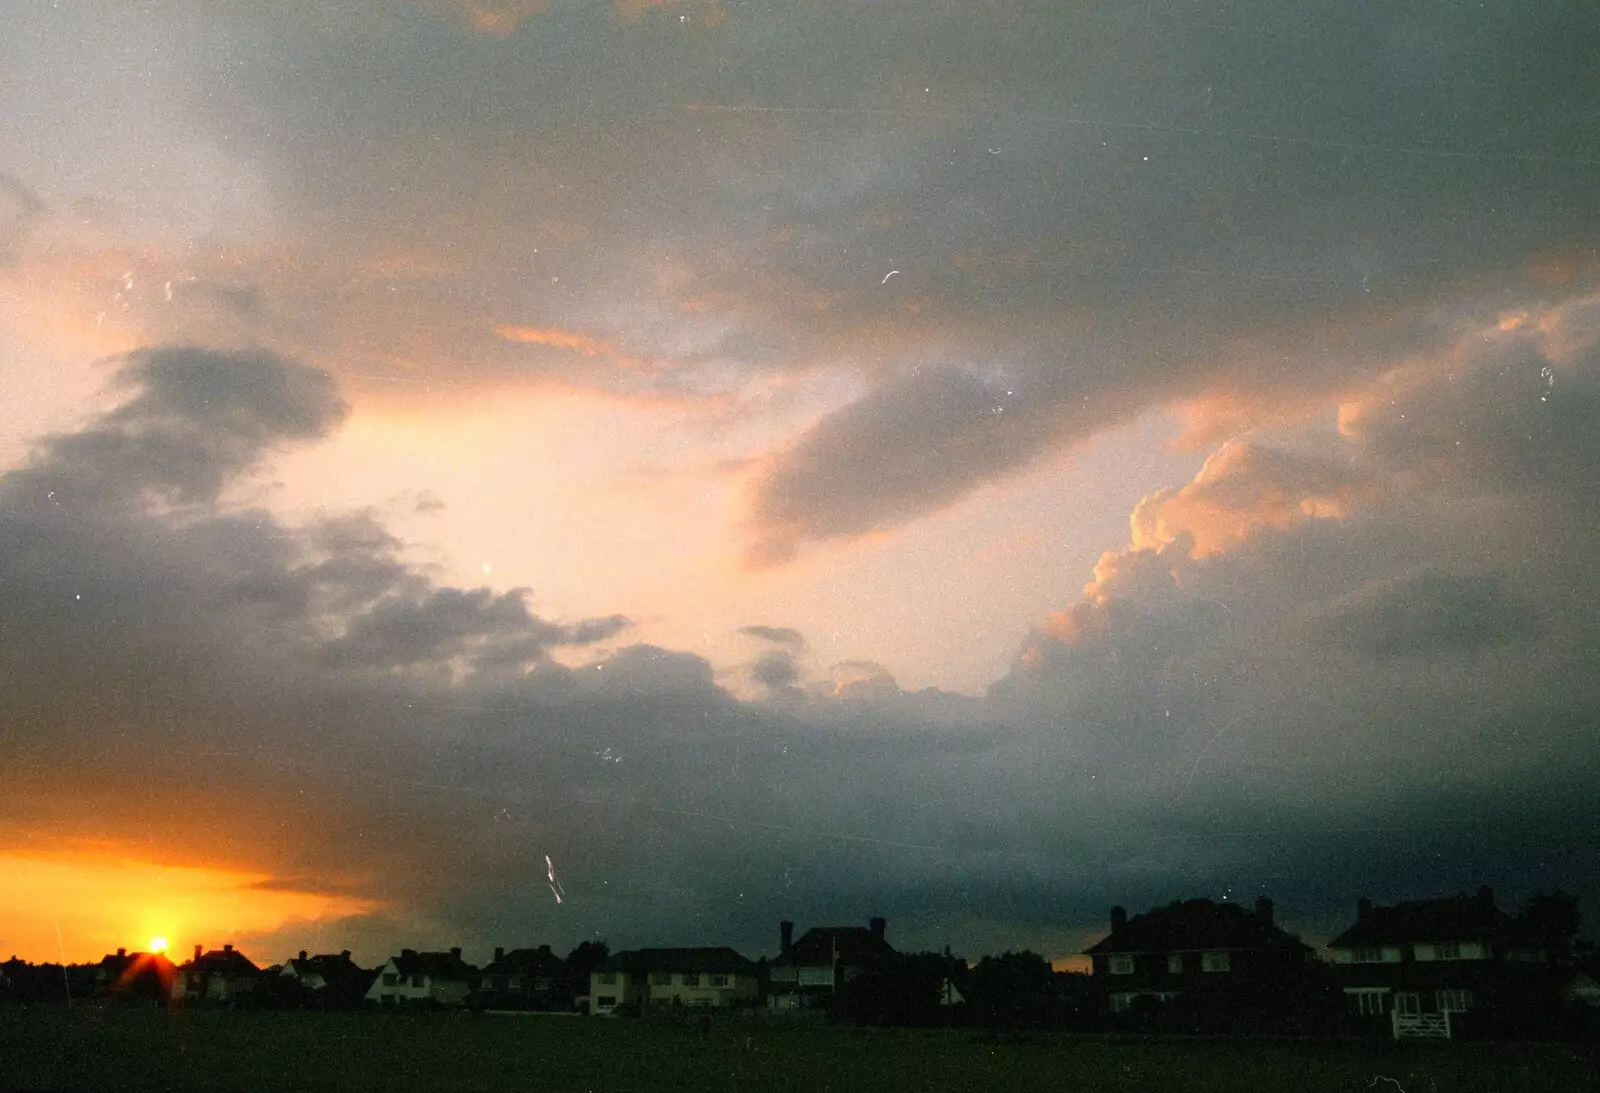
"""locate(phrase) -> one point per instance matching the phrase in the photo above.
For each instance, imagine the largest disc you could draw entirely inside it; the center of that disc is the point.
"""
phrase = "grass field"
(214, 1050)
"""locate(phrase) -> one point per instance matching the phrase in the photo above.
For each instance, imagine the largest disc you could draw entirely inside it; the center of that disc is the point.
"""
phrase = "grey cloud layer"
(1096, 208)
(1323, 703)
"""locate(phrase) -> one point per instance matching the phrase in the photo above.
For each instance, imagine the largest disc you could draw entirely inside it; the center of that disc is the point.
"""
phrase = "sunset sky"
(499, 473)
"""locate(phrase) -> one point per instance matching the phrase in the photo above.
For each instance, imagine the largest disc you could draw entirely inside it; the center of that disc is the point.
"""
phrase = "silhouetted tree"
(1554, 917)
(588, 956)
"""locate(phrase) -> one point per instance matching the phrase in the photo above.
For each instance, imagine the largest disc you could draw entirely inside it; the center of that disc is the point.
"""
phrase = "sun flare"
(158, 944)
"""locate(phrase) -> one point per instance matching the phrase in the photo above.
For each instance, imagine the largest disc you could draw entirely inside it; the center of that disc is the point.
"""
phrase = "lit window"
(1214, 962)
(1120, 964)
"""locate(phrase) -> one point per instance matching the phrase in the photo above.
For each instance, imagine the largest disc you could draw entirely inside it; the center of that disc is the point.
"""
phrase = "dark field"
(150, 1049)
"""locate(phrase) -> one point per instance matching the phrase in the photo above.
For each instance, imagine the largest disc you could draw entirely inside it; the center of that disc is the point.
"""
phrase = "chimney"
(1119, 918)
(1264, 910)
(197, 951)
(345, 953)
(1486, 897)
(227, 947)
(455, 952)
(785, 936)
(876, 925)
(1363, 908)
(121, 951)
(408, 953)
(499, 953)
(302, 954)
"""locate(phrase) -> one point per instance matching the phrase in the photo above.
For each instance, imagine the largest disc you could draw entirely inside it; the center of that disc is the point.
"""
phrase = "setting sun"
(158, 944)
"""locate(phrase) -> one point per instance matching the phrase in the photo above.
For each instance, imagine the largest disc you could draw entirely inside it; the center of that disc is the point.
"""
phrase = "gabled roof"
(433, 965)
(332, 967)
(226, 961)
(824, 946)
(1196, 924)
(1454, 918)
(715, 960)
(540, 961)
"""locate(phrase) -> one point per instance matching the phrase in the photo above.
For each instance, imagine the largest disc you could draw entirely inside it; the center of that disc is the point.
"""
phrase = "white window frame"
(1370, 1001)
(1453, 1000)
(1216, 961)
(1119, 964)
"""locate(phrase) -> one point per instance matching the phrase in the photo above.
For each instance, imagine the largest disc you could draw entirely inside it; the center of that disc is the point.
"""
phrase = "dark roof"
(226, 961)
(525, 962)
(715, 959)
(822, 946)
(333, 967)
(436, 965)
(1196, 924)
(1455, 918)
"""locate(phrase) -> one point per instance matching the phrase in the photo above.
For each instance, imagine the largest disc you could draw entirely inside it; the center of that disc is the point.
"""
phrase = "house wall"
(622, 990)
(1466, 950)
(409, 990)
(735, 989)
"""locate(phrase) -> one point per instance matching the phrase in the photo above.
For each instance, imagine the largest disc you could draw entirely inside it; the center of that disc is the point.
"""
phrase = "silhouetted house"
(809, 971)
(423, 979)
(1451, 955)
(641, 979)
(333, 978)
(1214, 953)
(523, 979)
(222, 975)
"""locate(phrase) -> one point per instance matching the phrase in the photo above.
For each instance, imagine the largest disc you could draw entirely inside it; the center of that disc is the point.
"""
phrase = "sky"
(501, 473)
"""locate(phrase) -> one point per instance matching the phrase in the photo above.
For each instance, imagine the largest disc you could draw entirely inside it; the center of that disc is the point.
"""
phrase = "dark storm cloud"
(777, 635)
(1433, 612)
(196, 419)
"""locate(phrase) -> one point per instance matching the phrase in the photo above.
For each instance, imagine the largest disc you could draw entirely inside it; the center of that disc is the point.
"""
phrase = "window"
(1408, 1002)
(1448, 950)
(416, 981)
(1175, 963)
(1453, 1001)
(719, 981)
(1367, 956)
(608, 978)
(661, 979)
(606, 1000)
(691, 979)
(390, 979)
(1119, 964)
(1214, 962)
(1366, 1002)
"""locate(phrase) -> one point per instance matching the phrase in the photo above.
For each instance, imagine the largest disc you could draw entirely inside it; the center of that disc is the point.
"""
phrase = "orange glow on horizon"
(78, 906)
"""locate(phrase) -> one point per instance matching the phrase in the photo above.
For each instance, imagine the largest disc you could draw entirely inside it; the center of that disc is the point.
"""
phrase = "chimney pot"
(1119, 918)
(877, 925)
(499, 953)
(785, 936)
